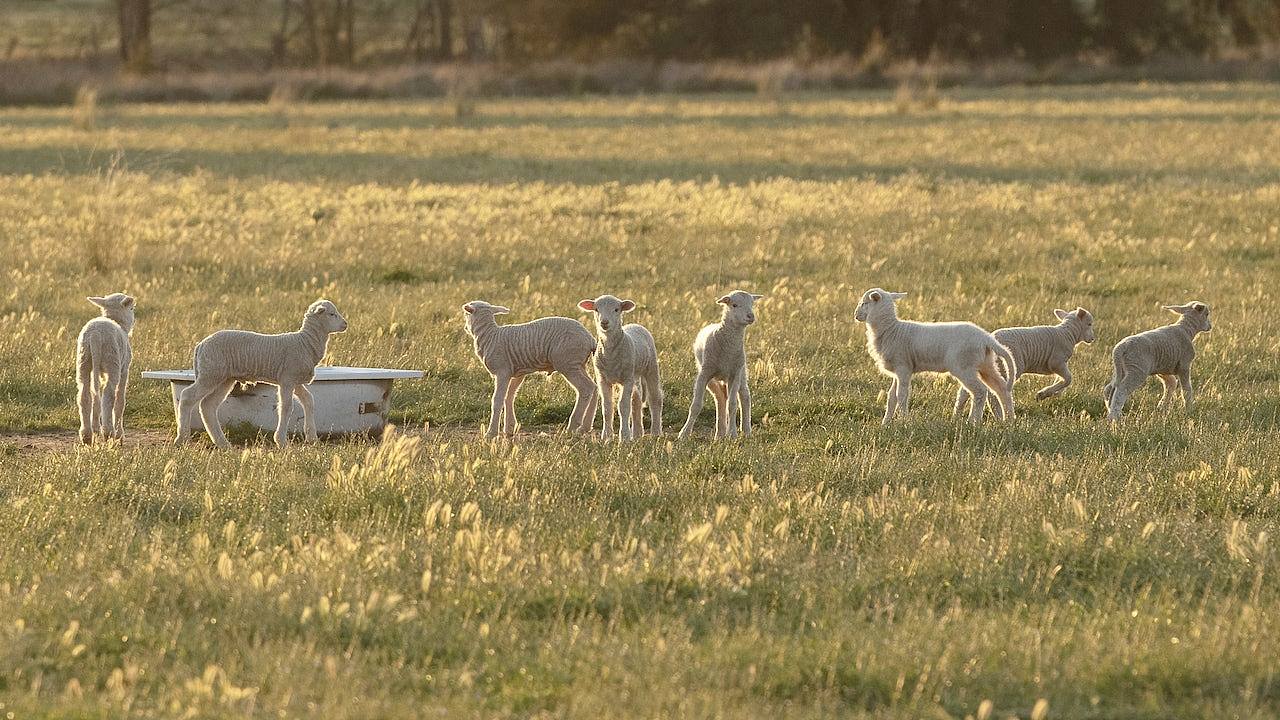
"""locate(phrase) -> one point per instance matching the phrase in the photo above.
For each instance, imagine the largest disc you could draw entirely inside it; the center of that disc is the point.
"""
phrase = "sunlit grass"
(827, 566)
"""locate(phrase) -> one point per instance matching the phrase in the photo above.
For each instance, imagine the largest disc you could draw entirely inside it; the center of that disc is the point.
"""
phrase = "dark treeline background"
(322, 33)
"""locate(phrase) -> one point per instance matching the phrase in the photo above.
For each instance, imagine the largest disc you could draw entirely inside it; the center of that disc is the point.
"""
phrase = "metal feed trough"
(348, 400)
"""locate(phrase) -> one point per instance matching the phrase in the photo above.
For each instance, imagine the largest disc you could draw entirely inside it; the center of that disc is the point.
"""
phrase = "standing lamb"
(510, 352)
(722, 366)
(1166, 351)
(902, 348)
(1042, 350)
(286, 360)
(625, 355)
(103, 356)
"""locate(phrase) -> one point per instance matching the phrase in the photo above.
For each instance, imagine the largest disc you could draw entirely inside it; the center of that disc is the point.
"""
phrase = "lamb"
(722, 366)
(286, 360)
(1042, 350)
(902, 348)
(625, 355)
(103, 356)
(510, 352)
(1166, 351)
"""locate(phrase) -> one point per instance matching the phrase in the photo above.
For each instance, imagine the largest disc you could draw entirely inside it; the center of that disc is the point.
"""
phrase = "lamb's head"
(608, 312)
(739, 308)
(478, 312)
(1080, 320)
(877, 303)
(324, 315)
(118, 307)
(1195, 314)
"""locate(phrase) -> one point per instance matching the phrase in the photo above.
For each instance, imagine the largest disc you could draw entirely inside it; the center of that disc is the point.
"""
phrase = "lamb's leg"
(1184, 378)
(1170, 383)
(991, 376)
(653, 396)
(182, 407)
(732, 408)
(284, 415)
(95, 402)
(1121, 391)
(606, 410)
(744, 399)
(509, 424)
(308, 411)
(500, 384)
(1056, 389)
(584, 403)
(107, 416)
(85, 400)
(122, 390)
(962, 401)
(891, 404)
(210, 401)
(721, 396)
(695, 406)
(904, 392)
(972, 381)
(625, 430)
(637, 410)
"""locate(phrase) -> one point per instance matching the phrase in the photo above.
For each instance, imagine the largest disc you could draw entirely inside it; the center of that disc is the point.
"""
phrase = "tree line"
(317, 33)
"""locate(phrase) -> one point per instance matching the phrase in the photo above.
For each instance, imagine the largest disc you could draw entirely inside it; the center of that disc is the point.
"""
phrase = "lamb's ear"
(468, 308)
(725, 300)
(754, 296)
(1061, 314)
(499, 310)
(99, 301)
(875, 297)
(1179, 309)
(897, 295)
(1199, 307)
(315, 310)
(588, 305)
(127, 302)
(1081, 313)
(628, 306)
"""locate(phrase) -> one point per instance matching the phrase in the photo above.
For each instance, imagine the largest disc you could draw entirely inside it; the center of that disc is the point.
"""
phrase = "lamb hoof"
(86, 437)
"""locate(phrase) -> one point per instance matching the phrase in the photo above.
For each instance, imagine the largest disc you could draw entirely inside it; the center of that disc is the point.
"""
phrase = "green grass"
(828, 566)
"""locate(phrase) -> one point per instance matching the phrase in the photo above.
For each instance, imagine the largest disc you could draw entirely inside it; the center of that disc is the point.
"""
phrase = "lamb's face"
(607, 310)
(328, 316)
(1083, 321)
(478, 311)
(1196, 312)
(739, 308)
(876, 302)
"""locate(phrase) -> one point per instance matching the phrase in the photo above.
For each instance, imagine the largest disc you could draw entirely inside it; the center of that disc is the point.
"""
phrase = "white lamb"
(103, 356)
(902, 348)
(722, 366)
(1166, 352)
(1042, 350)
(510, 352)
(625, 355)
(286, 360)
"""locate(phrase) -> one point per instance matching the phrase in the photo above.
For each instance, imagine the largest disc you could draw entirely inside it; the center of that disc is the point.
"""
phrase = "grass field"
(1053, 567)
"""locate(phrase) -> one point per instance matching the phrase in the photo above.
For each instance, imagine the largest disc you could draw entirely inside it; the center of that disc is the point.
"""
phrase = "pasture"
(1052, 567)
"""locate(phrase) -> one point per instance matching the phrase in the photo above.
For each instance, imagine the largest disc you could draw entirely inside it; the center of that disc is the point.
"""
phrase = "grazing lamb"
(1042, 350)
(102, 367)
(286, 360)
(722, 366)
(626, 355)
(510, 352)
(1166, 351)
(902, 348)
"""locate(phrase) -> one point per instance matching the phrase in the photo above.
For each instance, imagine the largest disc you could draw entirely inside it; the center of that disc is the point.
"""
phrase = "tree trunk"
(135, 34)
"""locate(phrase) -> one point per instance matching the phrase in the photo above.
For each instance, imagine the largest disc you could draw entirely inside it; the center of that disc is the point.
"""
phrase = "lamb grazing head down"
(1194, 314)
(739, 308)
(479, 311)
(608, 311)
(877, 303)
(1079, 319)
(324, 315)
(118, 307)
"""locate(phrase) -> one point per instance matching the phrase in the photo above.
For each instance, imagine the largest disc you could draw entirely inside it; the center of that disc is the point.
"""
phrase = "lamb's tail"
(1010, 365)
(85, 372)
